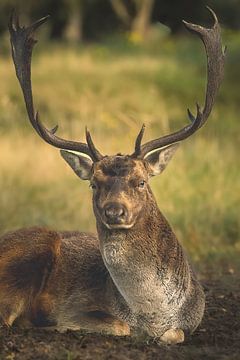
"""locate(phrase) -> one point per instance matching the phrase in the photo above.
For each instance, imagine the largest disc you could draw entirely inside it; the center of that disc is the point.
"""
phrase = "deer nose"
(114, 212)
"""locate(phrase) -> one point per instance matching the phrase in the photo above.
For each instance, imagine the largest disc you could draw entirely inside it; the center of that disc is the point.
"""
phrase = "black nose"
(114, 213)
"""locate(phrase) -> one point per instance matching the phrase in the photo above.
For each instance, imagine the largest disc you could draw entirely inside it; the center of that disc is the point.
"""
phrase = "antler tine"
(211, 39)
(22, 43)
(137, 151)
(95, 154)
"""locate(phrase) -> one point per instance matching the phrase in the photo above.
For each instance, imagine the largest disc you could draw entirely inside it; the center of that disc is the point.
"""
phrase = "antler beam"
(211, 39)
(22, 43)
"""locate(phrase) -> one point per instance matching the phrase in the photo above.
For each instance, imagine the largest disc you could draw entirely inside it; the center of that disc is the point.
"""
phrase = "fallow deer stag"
(133, 277)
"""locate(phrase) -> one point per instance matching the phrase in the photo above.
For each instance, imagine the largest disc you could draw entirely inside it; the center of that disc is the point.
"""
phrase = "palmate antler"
(22, 42)
(211, 39)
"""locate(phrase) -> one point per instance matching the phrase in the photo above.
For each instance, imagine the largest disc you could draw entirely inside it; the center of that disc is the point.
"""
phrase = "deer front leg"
(107, 325)
(96, 322)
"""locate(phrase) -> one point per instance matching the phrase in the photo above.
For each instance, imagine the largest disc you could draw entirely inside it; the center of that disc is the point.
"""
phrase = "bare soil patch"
(218, 337)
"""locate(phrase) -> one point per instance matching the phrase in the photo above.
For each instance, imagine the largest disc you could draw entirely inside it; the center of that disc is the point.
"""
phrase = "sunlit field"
(113, 88)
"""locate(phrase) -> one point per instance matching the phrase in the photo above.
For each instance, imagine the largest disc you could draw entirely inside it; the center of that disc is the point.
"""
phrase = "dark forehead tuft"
(119, 165)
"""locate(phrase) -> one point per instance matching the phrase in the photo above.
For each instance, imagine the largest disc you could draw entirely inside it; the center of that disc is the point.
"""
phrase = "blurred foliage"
(113, 87)
(173, 11)
(93, 19)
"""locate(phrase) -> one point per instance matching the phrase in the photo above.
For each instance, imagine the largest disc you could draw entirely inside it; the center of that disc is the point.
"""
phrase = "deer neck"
(138, 259)
(138, 242)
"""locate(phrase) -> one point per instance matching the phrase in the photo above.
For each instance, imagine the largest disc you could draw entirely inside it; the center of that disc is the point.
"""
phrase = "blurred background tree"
(137, 21)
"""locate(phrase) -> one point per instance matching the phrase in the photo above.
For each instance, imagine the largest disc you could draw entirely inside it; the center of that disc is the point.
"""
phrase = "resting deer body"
(134, 275)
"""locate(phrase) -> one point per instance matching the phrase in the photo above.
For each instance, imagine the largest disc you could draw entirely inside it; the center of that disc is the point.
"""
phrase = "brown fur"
(26, 261)
(41, 269)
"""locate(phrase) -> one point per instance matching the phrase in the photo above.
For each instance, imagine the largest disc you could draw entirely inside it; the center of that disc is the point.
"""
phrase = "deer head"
(120, 182)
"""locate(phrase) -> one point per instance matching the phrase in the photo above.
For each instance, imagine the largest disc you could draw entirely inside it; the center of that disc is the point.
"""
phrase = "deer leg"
(11, 311)
(107, 324)
(100, 322)
(41, 311)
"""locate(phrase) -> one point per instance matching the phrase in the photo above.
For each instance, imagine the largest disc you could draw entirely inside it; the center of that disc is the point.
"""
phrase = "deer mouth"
(118, 226)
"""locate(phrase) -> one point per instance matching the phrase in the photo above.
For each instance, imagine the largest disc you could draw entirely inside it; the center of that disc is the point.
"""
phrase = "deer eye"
(142, 184)
(93, 186)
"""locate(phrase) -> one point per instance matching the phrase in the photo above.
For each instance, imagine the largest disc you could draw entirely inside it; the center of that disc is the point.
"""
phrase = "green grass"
(113, 88)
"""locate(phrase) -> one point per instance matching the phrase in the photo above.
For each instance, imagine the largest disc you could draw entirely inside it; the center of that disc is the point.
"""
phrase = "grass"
(113, 88)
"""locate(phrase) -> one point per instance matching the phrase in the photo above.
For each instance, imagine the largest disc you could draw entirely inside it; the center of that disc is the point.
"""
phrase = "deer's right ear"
(80, 164)
(159, 159)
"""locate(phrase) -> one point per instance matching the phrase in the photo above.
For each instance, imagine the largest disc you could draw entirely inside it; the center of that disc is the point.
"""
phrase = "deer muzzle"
(115, 215)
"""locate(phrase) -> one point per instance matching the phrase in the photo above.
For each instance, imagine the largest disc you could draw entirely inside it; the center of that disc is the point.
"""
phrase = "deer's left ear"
(159, 159)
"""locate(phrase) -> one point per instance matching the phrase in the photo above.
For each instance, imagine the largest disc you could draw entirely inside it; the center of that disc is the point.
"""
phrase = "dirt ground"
(218, 337)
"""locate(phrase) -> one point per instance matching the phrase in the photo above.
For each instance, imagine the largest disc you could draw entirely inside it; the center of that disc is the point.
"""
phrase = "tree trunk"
(121, 11)
(73, 30)
(141, 22)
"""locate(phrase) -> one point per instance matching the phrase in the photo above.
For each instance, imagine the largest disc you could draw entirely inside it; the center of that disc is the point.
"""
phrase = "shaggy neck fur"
(146, 261)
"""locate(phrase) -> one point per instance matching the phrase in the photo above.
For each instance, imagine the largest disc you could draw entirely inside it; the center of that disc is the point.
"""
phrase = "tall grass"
(113, 89)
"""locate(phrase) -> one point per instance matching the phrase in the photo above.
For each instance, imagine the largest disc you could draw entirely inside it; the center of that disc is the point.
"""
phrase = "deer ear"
(80, 164)
(159, 159)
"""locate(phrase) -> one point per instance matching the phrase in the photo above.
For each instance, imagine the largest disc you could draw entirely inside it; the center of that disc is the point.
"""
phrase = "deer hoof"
(173, 336)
